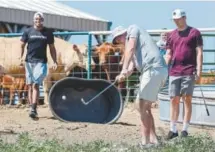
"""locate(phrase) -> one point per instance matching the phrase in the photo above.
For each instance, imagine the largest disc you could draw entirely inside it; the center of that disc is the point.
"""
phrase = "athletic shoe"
(184, 133)
(172, 135)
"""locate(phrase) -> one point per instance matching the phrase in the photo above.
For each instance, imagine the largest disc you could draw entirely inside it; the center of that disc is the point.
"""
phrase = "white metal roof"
(49, 7)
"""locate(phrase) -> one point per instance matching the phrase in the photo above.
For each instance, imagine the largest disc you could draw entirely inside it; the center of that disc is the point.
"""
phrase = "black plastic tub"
(66, 105)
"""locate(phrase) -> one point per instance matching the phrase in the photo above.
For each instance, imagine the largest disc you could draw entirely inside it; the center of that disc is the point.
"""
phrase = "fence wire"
(8, 57)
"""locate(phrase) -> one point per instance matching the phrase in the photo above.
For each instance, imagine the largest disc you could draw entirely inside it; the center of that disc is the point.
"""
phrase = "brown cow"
(68, 56)
(12, 84)
(110, 56)
(111, 59)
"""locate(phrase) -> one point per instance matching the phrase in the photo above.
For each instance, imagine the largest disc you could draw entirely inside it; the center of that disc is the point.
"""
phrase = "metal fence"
(129, 88)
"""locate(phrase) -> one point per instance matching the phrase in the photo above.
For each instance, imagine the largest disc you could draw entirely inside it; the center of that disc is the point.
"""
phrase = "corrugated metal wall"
(17, 16)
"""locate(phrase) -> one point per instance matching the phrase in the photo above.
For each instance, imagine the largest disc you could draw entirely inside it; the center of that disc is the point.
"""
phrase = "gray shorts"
(150, 82)
(181, 85)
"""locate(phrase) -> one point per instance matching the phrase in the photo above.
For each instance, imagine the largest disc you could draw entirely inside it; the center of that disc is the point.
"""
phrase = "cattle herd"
(106, 63)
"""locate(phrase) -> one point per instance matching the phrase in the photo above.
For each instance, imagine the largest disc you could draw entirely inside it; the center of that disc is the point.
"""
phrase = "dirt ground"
(126, 129)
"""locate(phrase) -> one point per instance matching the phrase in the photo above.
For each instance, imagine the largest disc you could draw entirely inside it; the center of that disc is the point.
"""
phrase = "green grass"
(200, 143)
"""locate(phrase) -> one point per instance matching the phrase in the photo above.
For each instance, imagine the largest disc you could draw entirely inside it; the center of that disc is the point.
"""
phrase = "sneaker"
(172, 135)
(184, 133)
(33, 114)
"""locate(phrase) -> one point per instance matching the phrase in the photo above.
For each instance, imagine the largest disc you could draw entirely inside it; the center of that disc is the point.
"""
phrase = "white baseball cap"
(38, 14)
(117, 32)
(178, 13)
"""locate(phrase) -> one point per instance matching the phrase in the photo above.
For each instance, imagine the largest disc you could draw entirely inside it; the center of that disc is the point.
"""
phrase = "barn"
(16, 16)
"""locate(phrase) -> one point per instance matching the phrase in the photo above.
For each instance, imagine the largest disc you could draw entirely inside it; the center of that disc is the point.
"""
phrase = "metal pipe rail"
(90, 33)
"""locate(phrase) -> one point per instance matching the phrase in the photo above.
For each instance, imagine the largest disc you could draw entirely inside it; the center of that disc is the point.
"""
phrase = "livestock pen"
(112, 66)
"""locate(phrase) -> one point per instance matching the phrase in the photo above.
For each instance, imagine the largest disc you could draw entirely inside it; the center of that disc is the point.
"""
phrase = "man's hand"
(54, 66)
(120, 78)
(21, 62)
(198, 76)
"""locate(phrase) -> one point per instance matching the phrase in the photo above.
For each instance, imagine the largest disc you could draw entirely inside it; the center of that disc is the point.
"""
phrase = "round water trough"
(199, 114)
(66, 104)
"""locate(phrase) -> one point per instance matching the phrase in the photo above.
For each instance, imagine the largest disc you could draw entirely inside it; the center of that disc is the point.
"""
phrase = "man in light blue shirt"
(141, 52)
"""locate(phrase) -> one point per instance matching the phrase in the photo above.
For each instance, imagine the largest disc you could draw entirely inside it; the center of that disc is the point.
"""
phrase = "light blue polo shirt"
(147, 54)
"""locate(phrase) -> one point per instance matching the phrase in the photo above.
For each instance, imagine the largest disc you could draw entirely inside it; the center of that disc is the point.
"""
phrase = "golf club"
(89, 101)
(204, 101)
(127, 95)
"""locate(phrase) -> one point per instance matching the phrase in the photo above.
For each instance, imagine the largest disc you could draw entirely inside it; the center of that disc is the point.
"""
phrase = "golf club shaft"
(127, 95)
(86, 103)
(204, 101)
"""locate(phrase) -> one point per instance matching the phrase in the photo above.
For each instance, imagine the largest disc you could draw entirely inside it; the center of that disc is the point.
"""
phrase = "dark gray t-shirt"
(147, 54)
(37, 44)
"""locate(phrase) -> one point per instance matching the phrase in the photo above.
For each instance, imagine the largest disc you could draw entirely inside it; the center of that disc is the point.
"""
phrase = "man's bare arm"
(129, 52)
(199, 51)
(130, 68)
(168, 56)
(53, 52)
(22, 48)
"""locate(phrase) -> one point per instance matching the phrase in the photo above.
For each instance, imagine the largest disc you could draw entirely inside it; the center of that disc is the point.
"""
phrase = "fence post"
(89, 55)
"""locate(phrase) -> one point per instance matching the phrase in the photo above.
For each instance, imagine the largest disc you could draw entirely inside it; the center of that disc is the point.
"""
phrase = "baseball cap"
(117, 32)
(178, 13)
(38, 14)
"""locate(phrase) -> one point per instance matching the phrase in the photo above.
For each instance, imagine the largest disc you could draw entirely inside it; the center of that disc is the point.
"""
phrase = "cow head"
(77, 56)
(106, 50)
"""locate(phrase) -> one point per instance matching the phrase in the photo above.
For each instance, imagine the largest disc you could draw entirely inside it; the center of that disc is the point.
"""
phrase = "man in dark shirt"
(37, 37)
(184, 56)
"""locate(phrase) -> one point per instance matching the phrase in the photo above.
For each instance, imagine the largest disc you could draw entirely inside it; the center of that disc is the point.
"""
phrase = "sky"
(150, 15)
